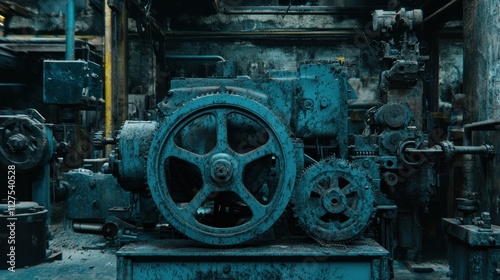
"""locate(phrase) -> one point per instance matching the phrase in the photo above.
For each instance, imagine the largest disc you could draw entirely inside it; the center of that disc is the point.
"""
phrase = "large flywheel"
(221, 169)
(333, 201)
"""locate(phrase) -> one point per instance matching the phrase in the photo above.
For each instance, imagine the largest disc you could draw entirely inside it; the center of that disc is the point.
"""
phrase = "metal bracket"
(116, 228)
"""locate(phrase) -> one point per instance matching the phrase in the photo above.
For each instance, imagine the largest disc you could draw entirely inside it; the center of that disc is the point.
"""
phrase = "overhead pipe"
(299, 9)
(70, 30)
(264, 34)
(195, 57)
(440, 10)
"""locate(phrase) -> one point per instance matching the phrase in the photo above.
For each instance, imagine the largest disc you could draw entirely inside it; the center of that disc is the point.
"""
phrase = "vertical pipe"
(70, 30)
(108, 71)
(122, 64)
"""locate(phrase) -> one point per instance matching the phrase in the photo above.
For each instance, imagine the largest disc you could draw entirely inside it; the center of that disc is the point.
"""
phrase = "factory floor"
(86, 256)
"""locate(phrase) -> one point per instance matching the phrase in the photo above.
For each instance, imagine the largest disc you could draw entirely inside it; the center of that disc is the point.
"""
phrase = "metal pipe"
(95, 160)
(195, 57)
(266, 34)
(468, 165)
(440, 10)
(487, 125)
(108, 71)
(70, 30)
(122, 64)
(468, 160)
(86, 227)
(467, 198)
(473, 150)
(295, 9)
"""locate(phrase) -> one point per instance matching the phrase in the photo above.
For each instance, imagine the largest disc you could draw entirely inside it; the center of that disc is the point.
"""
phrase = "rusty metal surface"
(472, 235)
(473, 250)
(91, 195)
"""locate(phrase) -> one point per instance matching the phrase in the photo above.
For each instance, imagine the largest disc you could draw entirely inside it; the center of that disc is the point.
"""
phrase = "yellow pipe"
(108, 72)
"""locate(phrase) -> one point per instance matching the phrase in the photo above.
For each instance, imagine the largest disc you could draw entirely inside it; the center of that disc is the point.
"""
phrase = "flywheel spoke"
(222, 131)
(317, 210)
(198, 200)
(185, 155)
(318, 189)
(334, 182)
(267, 149)
(347, 190)
(258, 210)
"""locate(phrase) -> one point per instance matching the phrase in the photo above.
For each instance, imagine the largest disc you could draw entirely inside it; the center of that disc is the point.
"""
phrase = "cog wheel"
(221, 169)
(333, 201)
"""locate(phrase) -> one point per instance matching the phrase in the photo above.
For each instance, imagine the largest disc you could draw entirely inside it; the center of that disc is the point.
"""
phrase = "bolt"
(308, 104)
(324, 103)
(222, 172)
(92, 184)
(226, 269)
(492, 240)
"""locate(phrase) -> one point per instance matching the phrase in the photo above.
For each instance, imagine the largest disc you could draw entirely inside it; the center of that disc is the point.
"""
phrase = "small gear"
(333, 201)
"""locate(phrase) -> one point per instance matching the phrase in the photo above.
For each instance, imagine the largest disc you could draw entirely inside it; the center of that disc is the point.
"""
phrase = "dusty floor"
(85, 256)
(81, 257)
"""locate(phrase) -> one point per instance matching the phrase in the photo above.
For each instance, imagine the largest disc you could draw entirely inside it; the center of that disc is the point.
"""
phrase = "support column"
(482, 91)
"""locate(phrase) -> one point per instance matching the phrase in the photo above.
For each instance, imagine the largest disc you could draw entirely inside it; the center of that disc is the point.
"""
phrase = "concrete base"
(290, 259)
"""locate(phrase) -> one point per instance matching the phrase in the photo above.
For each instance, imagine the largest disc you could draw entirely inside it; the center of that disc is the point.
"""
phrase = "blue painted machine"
(224, 154)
